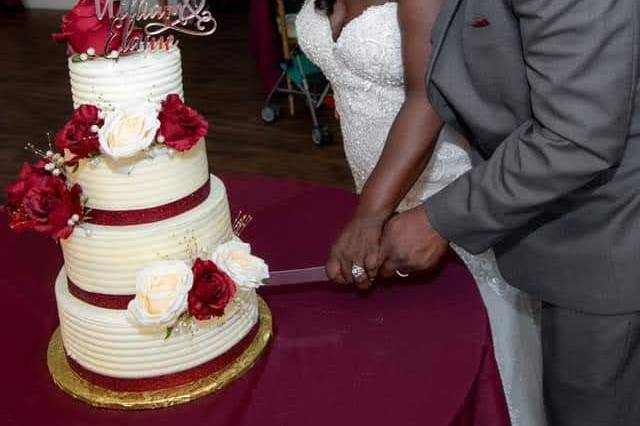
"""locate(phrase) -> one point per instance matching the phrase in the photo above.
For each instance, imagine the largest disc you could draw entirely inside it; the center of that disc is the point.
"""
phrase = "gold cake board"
(97, 396)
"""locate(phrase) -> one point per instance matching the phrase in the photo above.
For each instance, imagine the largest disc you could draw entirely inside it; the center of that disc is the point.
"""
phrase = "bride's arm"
(415, 130)
(408, 149)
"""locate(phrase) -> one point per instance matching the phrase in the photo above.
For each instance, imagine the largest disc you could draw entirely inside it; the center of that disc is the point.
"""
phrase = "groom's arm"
(582, 64)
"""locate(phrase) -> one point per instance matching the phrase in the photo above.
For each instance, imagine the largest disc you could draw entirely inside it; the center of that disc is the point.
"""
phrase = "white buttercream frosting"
(107, 259)
(105, 342)
(108, 83)
(142, 182)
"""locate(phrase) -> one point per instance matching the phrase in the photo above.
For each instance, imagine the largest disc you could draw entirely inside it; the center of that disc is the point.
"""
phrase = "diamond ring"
(401, 275)
(357, 271)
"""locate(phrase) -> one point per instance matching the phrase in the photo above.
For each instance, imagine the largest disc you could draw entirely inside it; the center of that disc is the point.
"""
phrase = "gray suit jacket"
(547, 93)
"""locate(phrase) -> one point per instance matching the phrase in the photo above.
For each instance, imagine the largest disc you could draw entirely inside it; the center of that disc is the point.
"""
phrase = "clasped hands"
(378, 246)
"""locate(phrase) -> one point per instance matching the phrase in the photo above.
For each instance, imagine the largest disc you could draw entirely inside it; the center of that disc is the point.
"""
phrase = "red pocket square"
(480, 22)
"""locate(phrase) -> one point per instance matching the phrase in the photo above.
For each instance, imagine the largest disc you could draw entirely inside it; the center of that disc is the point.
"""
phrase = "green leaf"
(168, 333)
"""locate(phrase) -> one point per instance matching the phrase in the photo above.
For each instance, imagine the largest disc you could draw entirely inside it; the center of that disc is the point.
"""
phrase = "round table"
(415, 351)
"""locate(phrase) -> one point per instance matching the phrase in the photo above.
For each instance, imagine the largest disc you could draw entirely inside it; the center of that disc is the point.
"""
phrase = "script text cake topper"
(186, 16)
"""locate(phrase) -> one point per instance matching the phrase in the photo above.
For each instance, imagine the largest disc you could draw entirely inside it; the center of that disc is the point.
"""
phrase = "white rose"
(128, 130)
(234, 258)
(162, 291)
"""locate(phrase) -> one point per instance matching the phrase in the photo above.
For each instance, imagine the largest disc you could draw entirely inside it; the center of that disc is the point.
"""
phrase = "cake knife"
(297, 276)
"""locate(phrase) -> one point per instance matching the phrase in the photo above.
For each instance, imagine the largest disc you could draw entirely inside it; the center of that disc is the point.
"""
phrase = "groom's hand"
(411, 244)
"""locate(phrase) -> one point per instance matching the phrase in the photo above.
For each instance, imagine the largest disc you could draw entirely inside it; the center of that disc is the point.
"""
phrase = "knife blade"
(297, 276)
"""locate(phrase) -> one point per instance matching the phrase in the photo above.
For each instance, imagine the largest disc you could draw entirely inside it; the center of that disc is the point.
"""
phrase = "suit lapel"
(440, 29)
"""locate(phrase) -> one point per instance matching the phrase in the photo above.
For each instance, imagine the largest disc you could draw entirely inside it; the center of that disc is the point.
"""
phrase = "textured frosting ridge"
(107, 259)
(108, 83)
(105, 342)
(144, 183)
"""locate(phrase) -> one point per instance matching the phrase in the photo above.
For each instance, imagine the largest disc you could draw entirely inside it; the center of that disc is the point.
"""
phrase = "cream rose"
(235, 258)
(162, 290)
(128, 130)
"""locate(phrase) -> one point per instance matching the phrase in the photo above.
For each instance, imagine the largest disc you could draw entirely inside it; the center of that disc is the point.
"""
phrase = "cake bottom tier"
(103, 341)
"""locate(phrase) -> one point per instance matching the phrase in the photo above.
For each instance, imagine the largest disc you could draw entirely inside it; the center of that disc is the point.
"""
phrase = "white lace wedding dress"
(365, 69)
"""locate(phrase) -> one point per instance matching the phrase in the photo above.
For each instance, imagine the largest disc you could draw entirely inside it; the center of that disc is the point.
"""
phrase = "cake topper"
(110, 28)
(186, 16)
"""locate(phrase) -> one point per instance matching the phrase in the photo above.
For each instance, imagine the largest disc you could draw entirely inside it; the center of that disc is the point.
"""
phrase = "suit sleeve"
(581, 60)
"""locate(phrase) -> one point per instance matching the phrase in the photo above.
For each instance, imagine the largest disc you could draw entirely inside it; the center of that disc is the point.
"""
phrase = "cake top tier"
(142, 77)
(125, 51)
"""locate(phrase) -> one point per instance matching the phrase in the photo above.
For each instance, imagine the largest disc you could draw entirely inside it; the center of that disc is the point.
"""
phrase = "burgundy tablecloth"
(417, 353)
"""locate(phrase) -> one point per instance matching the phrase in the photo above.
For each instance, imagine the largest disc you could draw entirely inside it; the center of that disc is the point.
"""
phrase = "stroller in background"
(299, 77)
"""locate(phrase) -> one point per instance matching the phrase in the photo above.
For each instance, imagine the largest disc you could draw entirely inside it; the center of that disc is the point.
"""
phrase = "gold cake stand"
(97, 396)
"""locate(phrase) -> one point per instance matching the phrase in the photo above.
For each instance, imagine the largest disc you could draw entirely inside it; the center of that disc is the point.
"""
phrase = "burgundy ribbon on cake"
(152, 214)
(167, 380)
(108, 301)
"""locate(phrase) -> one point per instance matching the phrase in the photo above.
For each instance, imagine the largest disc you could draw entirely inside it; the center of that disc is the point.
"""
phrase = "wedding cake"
(156, 290)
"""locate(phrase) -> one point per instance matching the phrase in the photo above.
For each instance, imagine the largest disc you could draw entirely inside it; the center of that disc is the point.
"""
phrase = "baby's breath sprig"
(55, 161)
(240, 223)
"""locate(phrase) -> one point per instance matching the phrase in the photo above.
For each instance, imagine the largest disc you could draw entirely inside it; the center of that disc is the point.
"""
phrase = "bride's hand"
(358, 244)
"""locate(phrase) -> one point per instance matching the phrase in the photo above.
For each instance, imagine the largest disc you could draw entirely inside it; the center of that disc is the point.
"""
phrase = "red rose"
(30, 176)
(82, 29)
(42, 202)
(211, 292)
(180, 126)
(77, 136)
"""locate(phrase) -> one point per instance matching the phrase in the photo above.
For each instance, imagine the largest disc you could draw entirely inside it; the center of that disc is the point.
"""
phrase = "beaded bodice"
(365, 68)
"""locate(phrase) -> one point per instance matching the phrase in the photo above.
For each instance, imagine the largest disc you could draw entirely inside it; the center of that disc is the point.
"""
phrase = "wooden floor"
(219, 80)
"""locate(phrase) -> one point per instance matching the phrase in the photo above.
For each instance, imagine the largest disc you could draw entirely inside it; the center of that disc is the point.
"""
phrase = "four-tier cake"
(156, 290)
